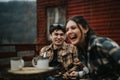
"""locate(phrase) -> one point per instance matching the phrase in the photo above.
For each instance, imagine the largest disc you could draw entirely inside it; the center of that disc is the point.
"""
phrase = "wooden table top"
(28, 73)
(29, 70)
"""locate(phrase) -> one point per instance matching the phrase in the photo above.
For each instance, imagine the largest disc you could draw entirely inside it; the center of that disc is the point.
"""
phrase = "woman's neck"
(81, 45)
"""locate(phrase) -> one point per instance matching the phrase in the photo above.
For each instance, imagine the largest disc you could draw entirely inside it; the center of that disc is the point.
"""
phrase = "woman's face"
(74, 33)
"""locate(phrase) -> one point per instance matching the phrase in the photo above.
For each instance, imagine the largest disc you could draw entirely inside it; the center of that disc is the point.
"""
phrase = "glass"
(16, 63)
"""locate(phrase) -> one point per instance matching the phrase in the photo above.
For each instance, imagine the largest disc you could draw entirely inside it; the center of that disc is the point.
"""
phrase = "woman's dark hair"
(81, 20)
(57, 27)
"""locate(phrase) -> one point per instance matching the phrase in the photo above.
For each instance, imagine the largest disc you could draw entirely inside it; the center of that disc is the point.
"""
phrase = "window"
(55, 15)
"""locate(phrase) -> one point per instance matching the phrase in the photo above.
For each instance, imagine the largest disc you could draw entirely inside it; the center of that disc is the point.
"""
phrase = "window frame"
(55, 14)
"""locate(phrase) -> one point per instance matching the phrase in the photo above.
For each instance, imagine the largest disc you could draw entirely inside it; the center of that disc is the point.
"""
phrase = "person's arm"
(81, 73)
(82, 69)
(41, 52)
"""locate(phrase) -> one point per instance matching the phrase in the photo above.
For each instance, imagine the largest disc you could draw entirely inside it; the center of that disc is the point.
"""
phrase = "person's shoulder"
(105, 41)
(44, 48)
(71, 46)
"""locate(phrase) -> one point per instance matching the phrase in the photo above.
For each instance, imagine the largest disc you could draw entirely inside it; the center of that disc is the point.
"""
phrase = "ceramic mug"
(16, 63)
(40, 62)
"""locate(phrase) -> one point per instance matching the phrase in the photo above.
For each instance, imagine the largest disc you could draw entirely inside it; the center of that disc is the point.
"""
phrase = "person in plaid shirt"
(100, 54)
(61, 54)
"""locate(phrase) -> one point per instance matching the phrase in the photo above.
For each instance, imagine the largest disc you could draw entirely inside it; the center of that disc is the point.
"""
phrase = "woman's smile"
(72, 37)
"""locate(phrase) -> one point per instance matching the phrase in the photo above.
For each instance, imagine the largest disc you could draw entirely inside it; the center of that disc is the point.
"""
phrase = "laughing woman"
(100, 54)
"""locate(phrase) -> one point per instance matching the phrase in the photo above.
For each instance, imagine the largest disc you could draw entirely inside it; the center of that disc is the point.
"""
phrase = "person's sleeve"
(41, 51)
(112, 48)
(78, 65)
(83, 72)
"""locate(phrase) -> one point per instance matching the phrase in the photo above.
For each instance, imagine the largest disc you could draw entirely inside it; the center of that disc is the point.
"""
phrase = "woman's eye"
(73, 27)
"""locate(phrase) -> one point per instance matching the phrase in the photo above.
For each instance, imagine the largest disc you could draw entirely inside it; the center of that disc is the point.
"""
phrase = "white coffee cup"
(16, 63)
(40, 62)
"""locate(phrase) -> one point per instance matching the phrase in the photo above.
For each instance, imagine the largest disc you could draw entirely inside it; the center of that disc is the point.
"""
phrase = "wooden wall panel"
(102, 15)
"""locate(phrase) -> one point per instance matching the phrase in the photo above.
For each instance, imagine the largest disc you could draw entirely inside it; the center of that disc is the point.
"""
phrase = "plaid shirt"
(100, 50)
(67, 56)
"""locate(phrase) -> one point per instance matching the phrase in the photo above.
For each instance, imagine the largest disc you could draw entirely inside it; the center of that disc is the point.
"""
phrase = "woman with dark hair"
(100, 54)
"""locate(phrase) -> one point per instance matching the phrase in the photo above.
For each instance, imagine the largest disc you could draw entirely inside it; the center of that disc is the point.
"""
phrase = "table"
(28, 73)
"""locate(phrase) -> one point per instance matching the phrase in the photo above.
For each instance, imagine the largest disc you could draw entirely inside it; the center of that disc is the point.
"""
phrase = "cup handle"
(33, 62)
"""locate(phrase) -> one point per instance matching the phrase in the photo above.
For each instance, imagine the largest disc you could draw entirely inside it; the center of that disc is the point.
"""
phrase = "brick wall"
(103, 16)
(42, 19)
